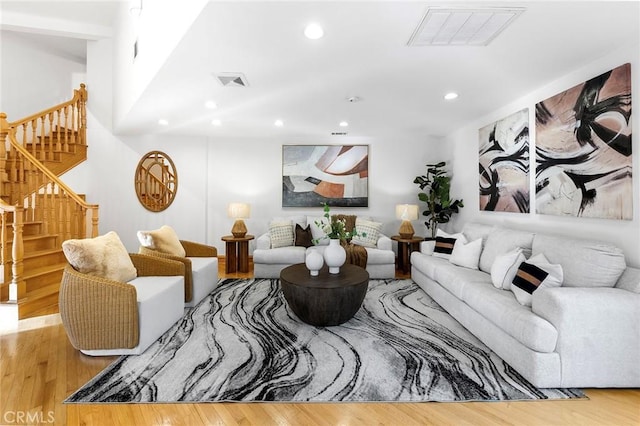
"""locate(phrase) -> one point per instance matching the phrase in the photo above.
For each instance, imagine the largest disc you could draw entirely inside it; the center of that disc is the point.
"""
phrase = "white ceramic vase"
(314, 262)
(334, 256)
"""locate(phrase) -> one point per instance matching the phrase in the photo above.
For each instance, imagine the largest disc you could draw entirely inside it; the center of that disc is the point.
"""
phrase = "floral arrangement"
(335, 229)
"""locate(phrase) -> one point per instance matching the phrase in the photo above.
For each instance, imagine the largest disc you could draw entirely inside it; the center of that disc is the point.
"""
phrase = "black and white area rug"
(243, 343)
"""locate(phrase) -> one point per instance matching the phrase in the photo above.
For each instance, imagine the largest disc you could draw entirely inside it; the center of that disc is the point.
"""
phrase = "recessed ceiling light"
(210, 105)
(313, 31)
(344, 124)
(163, 122)
(451, 96)
(278, 123)
(216, 122)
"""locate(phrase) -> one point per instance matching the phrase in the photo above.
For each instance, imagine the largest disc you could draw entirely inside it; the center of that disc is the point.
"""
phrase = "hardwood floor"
(39, 368)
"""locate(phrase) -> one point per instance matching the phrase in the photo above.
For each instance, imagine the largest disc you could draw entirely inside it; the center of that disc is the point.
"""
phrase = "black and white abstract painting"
(504, 164)
(583, 149)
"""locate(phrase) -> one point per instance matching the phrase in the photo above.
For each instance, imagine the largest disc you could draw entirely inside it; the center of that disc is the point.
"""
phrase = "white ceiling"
(364, 53)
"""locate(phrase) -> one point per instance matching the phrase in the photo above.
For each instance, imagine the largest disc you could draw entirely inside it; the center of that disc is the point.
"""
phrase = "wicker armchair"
(106, 317)
(200, 269)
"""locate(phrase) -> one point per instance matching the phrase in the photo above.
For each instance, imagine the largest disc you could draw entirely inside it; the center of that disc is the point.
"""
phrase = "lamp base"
(239, 229)
(406, 230)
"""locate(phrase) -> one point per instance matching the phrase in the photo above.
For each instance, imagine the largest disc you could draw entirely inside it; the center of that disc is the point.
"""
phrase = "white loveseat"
(269, 261)
(585, 333)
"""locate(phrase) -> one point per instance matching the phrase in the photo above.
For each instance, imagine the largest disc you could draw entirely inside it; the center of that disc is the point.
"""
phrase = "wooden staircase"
(37, 210)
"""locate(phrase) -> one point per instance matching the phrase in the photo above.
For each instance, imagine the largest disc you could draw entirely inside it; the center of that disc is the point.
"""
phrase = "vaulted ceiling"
(365, 54)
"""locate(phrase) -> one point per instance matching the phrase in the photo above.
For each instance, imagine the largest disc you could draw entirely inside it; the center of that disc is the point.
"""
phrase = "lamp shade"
(239, 210)
(407, 212)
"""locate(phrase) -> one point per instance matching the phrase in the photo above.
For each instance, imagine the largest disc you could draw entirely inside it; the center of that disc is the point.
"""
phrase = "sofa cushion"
(367, 233)
(281, 255)
(104, 256)
(584, 263)
(427, 264)
(281, 233)
(502, 309)
(303, 236)
(472, 231)
(630, 280)
(455, 278)
(534, 274)
(501, 241)
(164, 240)
(466, 254)
(504, 268)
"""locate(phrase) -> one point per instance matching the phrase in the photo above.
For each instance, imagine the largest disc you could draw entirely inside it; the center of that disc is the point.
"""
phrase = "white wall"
(625, 234)
(25, 87)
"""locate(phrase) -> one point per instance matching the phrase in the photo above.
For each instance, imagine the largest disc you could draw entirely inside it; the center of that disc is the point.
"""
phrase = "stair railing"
(31, 192)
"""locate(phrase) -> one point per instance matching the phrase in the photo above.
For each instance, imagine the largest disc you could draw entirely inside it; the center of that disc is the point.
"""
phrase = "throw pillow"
(534, 274)
(281, 233)
(466, 254)
(303, 236)
(445, 243)
(427, 247)
(103, 256)
(164, 240)
(368, 233)
(504, 268)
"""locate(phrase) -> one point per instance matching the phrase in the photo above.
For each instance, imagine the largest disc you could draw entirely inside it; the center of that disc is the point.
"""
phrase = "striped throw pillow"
(445, 243)
(534, 274)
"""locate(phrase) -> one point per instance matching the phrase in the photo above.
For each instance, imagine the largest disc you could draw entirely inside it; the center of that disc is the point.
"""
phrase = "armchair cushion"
(104, 256)
(164, 240)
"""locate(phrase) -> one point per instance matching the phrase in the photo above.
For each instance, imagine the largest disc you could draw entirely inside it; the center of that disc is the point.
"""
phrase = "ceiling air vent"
(232, 79)
(339, 133)
(462, 27)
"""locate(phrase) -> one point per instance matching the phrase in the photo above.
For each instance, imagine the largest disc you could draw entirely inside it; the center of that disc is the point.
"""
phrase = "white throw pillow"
(504, 268)
(427, 247)
(445, 243)
(534, 274)
(368, 233)
(466, 254)
(281, 233)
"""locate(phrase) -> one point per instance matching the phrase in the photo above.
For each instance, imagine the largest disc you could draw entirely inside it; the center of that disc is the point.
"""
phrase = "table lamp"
(239, 211)
(406, 213)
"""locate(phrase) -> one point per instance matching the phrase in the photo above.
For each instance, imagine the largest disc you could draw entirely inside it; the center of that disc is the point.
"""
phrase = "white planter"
(314, 262)
(334, 256)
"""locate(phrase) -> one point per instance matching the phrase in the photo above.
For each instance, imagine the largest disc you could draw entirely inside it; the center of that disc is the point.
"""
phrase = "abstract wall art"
(583, 149)
(334, 174)
(504, 164)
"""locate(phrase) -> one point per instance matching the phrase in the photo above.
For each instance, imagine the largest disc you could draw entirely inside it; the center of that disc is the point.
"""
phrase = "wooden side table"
(405, 247)
(237, 253)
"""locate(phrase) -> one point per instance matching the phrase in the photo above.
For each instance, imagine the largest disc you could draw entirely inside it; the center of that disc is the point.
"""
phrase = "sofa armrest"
(263, 242)
(384, 243)
(98, 313)
(157, 265)
(194, 249)
(598, 333)
(427, 247)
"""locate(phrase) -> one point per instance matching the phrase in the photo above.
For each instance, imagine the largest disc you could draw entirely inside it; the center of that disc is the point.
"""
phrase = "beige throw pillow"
(103, 256)
(164, 240)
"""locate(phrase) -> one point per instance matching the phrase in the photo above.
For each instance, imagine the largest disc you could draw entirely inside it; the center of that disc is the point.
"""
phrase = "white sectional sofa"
(585, 333)
(269, 261)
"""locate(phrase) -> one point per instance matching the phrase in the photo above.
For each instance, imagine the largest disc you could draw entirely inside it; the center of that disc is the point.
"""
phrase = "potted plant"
(435, 186)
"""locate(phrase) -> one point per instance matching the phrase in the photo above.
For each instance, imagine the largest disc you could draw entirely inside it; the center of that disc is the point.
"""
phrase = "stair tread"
(44, 270)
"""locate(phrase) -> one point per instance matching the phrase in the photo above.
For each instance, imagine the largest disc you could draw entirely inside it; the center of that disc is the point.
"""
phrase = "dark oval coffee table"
(326, 299)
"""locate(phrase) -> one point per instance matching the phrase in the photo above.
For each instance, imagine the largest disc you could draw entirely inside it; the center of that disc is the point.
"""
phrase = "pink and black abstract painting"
(504, 164)
(583, 149)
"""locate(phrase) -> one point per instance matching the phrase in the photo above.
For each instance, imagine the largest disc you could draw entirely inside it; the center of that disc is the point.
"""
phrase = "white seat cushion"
(204, 271)
(281, 255)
